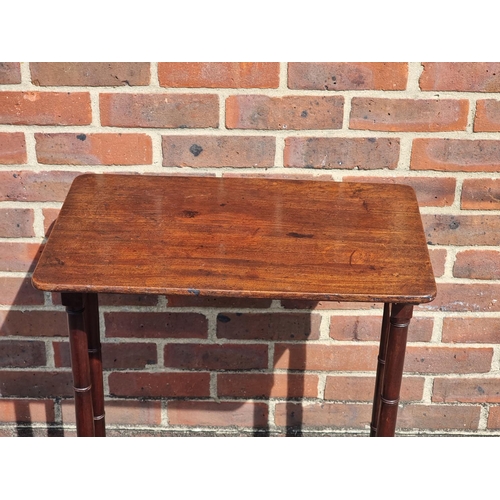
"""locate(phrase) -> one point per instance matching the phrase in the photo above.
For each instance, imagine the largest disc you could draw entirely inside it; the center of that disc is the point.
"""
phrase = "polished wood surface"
(238, 237)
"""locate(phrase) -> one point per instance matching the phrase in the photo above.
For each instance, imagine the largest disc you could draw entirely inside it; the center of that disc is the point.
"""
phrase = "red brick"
(36, 384)
(438, 417)
(224, 414)
(45, 108)
(362, 388)
(222, 151)
(16, 222)
(22, 353)
(471, 330)
(326, 357)
(459, 230)
(408, 115)
(438, 259)
(216, 357)
(34, 323)
(368, 328)
(291, 112)
(219, 75)
(158, 385)
(436, 359)
(481, 194)
(129, 299)
(19, 256)
(477, 264)
(19, 292)
(341, 153)
(430, 191)
(129, 356)
(157, 325)
(268, 326)
(90, 74)
(159, 110)
(487, 117)
(217, 302)
(49, 217)
(323, 415)
(12, 148)
(94, 149)
(121, 412)
(326, 305)
(464, 297)
(35, 186)
(275, 175)
(494, 417)
(10, 73)
(461, 77)
(267, 385)
(347, 76)
(466, 390)
(456, 155)
(26, 411)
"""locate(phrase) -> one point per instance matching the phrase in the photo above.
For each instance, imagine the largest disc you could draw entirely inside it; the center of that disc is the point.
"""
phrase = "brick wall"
(198, 365)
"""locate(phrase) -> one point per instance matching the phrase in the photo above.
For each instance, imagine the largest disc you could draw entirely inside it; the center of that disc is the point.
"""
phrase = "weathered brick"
(49, 217)
(219, 75)
(16, 222)
(129, 299)
(19, 291)
(267, 385)
(12, 148)
(21, 353)
(90, 74)
(10, 73)
(221, 151)
(222, 414)
(217, 302)
(45, 108)
(436, 359)
(341, 153)
(461, 76)
(216, 357)
(26, 411)
(430, 191)
(19, 256)
(35, 186)
(368, 328)
(480, 194)
(487, 117)
(408, 115)
(156, 325)
(94, 149)
(325, 305)
(471, 330)
(309, 176)
(477, 264)
(290, 112)
(438, 260)
(456, 155)
(121, 412)
(347, 76)
(343, 388)
(494, 417)
(332, 415)
(466, 390)
(268, 326)
(36, 384)
(129, 356)
(33, 323)
(442, 229)
(326, 357)
(159, 110)
(438, 417)
(158, 385)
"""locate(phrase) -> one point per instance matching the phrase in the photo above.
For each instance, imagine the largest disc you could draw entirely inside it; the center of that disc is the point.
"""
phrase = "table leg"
(75, 305)
(400, 317)
(95, 359)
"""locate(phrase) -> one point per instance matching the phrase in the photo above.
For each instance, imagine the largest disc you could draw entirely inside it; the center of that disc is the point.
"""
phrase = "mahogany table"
(236, 237)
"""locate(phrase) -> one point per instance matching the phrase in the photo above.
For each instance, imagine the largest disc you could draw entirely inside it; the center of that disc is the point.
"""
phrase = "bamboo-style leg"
(74, 303)
(384, 337)
(91, 316)
(399, 321)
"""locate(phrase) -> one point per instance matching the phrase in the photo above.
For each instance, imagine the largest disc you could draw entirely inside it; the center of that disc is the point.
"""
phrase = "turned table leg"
(390, 368)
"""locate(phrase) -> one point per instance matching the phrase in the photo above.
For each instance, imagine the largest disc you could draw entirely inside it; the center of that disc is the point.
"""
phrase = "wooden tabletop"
(239, 237)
